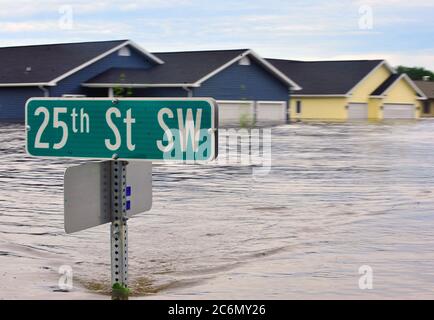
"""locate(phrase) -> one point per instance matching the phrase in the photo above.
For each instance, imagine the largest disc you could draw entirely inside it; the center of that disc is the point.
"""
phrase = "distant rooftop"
(326, 77)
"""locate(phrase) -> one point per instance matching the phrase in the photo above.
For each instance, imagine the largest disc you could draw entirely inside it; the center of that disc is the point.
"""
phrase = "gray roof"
(386, 85)
(427, 87)
(326, 77)
(47, 62)
(178, 68)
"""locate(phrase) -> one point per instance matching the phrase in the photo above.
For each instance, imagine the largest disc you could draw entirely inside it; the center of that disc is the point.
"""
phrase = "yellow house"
(350, 90)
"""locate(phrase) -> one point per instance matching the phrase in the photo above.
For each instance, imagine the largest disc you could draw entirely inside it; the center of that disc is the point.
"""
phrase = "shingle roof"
(47, 62)
(427, 88)
(178, 68)
(325, 77)
(386, 85)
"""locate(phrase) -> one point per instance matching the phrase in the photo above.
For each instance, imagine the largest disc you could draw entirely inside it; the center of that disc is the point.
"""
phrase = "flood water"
(338, 197)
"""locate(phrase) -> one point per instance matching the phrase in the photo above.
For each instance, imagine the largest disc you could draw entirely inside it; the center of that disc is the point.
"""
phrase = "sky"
(401, 31)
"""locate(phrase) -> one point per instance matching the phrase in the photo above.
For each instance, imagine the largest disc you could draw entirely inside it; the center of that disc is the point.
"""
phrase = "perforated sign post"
(119, 130)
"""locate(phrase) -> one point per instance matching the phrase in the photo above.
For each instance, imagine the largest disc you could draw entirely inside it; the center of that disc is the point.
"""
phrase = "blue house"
(245, 85)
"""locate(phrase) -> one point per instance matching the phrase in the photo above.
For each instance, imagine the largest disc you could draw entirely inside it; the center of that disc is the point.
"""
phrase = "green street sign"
(125, 128)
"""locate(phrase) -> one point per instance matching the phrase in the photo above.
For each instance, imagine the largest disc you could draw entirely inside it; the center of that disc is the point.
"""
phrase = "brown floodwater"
(338, 196)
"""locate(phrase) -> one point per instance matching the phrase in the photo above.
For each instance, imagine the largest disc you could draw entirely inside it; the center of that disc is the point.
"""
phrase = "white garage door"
(398, 111)
(233, 112)
(271, 111)
(358, 111)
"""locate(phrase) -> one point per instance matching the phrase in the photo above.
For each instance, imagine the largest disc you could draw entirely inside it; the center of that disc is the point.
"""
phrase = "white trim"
(320, 96)
(189, 92)
(138, 85)
(236, 101)
(409, 81)
(414, 86)
(105, 54)
(270, 102)
(294, 86)
(144, 51)
(266, 64)
(36, 84)
(45, 91)
(73, 96)
(382, 63)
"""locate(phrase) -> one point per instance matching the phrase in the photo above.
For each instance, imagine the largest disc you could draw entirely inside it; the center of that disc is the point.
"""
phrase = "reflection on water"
(338, 196)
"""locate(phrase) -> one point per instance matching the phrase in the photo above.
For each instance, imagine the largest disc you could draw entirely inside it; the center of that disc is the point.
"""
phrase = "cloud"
(6, 27)
(28, 8)
(293, 29)
(396, 3)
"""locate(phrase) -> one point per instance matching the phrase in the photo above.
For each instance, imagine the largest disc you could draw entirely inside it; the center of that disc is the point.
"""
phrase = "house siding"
(13, 101)
(72, 84)
(238, 82)
(320, 108)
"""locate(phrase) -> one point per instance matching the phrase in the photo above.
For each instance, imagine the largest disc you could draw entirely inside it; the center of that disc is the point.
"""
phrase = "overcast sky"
(401, 31)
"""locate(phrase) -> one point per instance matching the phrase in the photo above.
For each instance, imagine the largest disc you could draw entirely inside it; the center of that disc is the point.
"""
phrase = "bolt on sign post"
(121, 131)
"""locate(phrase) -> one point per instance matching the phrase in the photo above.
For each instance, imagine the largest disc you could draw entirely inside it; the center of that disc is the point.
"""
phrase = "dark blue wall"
(238, 82)
(72, 84)
(160, 92)
(13, 100)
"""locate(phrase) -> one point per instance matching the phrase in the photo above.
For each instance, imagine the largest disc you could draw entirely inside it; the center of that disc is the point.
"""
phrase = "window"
(426, 108)
(245, 61)
(124, 52)
(298, 107)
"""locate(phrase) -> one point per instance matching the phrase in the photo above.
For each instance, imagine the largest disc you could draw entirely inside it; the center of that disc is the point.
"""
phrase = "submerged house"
(427, 87)
(350, 90)
(243, 83)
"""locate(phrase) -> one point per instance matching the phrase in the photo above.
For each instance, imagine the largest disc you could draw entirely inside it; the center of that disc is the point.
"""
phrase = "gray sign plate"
(87, 193)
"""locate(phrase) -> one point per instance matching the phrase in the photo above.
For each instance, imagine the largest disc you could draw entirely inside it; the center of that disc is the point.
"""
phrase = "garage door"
(233, 112)
(398, 111)
(271, 111)
(358, 111)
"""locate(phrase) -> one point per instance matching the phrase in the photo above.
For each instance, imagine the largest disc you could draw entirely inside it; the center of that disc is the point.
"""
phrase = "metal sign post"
(119, 230)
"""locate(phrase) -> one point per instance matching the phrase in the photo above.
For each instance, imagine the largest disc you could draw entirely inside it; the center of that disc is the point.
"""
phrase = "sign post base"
(119, 231)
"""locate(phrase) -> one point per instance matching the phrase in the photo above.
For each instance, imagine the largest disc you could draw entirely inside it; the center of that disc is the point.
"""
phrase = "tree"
(120, 91)
(416, 73)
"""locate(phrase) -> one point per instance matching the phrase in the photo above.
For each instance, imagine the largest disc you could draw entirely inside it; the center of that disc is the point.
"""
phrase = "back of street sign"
(87, 193)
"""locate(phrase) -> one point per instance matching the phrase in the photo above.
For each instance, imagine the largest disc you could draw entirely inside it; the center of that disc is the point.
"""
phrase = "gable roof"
(189, 68)
(178, 68)
(326, 77)
(48, 64)
(427, 87)
(388, 84)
